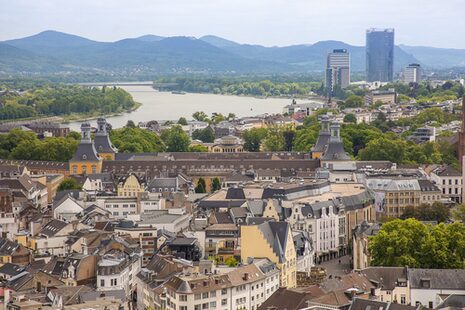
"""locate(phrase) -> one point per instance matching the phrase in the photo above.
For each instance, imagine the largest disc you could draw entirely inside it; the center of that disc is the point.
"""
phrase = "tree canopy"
(411, 243)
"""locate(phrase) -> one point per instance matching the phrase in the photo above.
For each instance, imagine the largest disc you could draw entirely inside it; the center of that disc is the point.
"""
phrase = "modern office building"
(380, 55)
(412, 74)
(337, 70)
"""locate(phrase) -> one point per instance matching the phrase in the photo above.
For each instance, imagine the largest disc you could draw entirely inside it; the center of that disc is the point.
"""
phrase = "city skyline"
(267, 23)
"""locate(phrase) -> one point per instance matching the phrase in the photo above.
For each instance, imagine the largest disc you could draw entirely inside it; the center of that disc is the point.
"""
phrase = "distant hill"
(52, 51)
(438, 58)
(150, 38)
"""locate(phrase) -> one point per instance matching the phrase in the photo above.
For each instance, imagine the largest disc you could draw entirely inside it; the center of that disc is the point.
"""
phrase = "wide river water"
(163, 106)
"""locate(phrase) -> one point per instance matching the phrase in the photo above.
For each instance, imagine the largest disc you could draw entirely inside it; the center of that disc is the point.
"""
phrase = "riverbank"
(80, 117)
(163, 106)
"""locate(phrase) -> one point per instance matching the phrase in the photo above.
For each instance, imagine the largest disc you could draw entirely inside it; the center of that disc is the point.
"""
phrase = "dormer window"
(84, 156)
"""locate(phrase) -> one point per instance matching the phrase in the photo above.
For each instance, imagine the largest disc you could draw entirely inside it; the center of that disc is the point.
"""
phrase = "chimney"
(246, 276)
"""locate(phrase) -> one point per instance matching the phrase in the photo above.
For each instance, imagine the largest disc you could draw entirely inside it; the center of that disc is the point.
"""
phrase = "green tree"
(458, 213)
(205, 135)
(428, 212)
(200, 116)
(201, 186)
(414, 244)
(68, 184)
(274, 140)
(216, 185)
(353, 101)
(231, 262)
(384, 149)
(136, 140)
(253, 139)
(198, 148)
(288, 133)
(130, 124)
(182, 121)
(175, 139)
(350, 118)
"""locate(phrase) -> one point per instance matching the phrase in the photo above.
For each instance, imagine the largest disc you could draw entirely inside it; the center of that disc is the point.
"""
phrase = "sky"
(438, 23)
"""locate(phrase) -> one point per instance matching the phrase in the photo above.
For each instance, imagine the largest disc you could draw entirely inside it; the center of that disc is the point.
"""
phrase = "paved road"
(333, 267)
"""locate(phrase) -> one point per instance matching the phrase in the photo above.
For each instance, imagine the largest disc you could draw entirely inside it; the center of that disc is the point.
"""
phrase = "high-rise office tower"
(337, 70)
(412, 74)
(380, 55)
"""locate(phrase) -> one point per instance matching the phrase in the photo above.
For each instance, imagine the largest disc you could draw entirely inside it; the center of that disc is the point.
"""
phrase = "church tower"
(323, 138)
(85, 160)
(102, 141)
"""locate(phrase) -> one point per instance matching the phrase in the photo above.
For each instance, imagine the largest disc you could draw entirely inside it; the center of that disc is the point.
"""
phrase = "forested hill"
(52, 52)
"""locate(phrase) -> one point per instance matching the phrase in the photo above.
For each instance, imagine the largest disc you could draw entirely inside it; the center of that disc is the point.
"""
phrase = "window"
(182, 297)
(102, 282)
(197, 307)
(213, 294)
(205, 306)
(94, 169)
(224, 291)
(205, 295)
(213, 304)
(224, 302)
(402, 299)
(430, 304)
(183, 308)
(197, 296)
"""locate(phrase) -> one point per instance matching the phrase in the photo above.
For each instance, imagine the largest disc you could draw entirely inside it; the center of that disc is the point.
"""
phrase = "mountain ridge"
(208, 54)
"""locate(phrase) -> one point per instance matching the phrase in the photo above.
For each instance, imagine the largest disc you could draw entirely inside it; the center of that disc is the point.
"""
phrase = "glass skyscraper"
(380, 55)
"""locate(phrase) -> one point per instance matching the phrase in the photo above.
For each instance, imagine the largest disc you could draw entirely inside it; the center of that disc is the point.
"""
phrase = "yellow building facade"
(272, 240)
(130, 186)
(85, 159)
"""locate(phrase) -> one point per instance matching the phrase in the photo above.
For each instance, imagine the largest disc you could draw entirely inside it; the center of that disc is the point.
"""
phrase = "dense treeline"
(362, 141)
(240, 87)
(19, 144)
(64, 100)
(353, 96)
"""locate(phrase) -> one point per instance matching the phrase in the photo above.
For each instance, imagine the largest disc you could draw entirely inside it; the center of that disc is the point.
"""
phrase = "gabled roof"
(285, 299)
(276, 234)
(52, 228)
(386, 278)
(11, 269)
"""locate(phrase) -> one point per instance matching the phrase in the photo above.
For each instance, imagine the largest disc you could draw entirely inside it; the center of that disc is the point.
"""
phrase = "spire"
(101, 126)
(85, 133)
(335, 132)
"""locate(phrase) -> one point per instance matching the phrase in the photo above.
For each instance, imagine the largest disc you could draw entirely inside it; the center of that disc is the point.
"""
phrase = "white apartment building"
(321, 221)
(118, 271)
(449, 181)
(245, 287)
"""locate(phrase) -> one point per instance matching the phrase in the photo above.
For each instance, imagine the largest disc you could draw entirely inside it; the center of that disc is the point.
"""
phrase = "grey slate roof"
(235, 193)
(11, 269)
(439, 278)
(386, 278)
(427, 186)
(335, 151)
(322, 141)
(52, 227)
(276, 234)
(456, 301)
(102, 143)
(85, 152)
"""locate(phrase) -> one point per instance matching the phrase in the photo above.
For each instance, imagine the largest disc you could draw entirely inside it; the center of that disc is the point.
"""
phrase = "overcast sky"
(439, 23)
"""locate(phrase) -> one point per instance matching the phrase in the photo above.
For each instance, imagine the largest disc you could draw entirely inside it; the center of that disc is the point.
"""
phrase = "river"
(163, 106)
